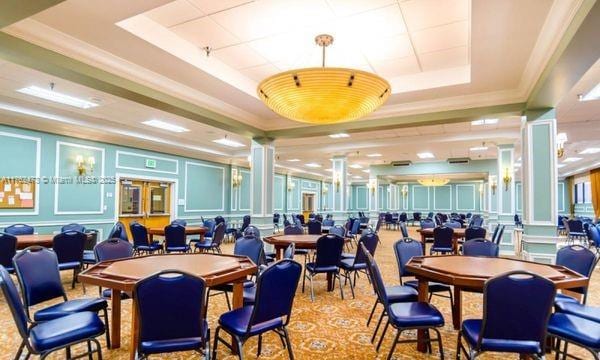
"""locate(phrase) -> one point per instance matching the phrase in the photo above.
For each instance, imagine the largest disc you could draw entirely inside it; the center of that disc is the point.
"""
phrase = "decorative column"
(262, 162)
(540, 203)
(373, 189)
(506, 195)
(340, 186)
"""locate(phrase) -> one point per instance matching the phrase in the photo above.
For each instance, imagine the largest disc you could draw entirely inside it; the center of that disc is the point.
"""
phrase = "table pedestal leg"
(330, 280)
(238, 302)
(457, 309)
(423, 242)
(134, 330)
(423, 297)
(115, 319)
(278, 252)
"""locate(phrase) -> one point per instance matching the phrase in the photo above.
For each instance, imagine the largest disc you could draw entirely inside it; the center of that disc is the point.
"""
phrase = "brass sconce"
(337, 181)
(506, 179)
(561, 139)
(236, 178)
(325, 189)
(84, 165)
(404, 191)
(291, 185)
(494, 186)
(372, 185)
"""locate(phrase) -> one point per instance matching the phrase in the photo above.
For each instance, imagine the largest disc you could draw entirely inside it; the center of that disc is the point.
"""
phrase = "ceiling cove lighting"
(425, 155)
(339, 136)
(356, 166)
(591, 150)
(593, 94)
(293, 160)
(478, 148)
(324, 95)
(374, 155)
(484, 122)
(571, 159)
(228, 142)
(312, 165)
(433, 181)
(165, 126)
(366, 171)
(55, 96)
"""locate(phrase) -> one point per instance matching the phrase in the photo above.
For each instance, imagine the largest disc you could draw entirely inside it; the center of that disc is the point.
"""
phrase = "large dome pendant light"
(324, 95)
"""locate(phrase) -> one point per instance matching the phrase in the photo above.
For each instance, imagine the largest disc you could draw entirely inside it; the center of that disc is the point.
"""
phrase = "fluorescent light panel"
(479, 148)
(356, 166)
(312, 165)
(425, 155)
(591, 150)
(374, 155)
(366, 171)
(339, 136)
(165, 126)
(593, 94)
(571, 159)
(229, 142)
(57, 97)
(293, 160)
(484, 122)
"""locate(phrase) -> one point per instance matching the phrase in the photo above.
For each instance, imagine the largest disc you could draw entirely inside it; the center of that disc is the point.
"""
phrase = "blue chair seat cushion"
(178, 248)
(575, 329)
(69, 265)
(348, 264)
(440, 249)
(587, 312)
(401, 293)
(150, 247)
(301, 252)
(67, 329)
(313, 268)
(107, 294)
(172, 345)
(415, 314)
(89, 257)
(433, 286)
(70, 307)
(236, 322)
(472, 327)
(348, 255)
(205, 244)
(564, 298)
(577, 233)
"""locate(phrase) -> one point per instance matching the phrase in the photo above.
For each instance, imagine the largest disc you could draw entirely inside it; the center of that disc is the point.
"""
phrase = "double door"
(147, 202)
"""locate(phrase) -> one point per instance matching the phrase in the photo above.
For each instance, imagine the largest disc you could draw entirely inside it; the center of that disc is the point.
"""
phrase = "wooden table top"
(189, 230)
(460, 232)
(122, 274)
(24, 241)
(299, 240)
(472, 272)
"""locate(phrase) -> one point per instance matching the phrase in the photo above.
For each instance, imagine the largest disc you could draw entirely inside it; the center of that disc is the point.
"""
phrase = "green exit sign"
(151, 163)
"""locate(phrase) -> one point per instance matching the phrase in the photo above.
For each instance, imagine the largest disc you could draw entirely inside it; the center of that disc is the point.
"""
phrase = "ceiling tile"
(441, 37)
(385, 21)
(212, 6)
(444, 59)
(259, 73)
(396, 67)
(239, 56)
(287, 48)
(397, 46)
(174, 13)
(205, 32)
(422, 14)
(350, 7)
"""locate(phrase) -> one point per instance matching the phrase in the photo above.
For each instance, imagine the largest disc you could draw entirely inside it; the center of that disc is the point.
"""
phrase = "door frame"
(172, 181)
(316, 203)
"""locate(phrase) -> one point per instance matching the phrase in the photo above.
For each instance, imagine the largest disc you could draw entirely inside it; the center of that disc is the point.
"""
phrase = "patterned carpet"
(329, 328)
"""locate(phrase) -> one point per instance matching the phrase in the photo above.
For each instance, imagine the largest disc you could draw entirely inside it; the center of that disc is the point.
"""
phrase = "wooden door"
(147, 202)
(308, 204)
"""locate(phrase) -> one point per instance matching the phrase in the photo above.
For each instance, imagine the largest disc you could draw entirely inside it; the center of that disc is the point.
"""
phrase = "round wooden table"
(457, 234)
(189, 230)
(121, 276)
(470, 273)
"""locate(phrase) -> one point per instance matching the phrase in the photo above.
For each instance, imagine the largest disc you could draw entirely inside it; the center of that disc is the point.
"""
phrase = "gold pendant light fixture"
(324, 95)
(433, 181)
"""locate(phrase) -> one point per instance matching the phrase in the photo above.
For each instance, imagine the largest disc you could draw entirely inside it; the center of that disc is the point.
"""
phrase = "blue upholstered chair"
(328, 222)
(47, 337)
(476, 221)
(495, 233)
(580, 259)
(416, 218)
(327, 259)
(113, 249)
(474, 233)
(275, 291)
(575, 230)
(68, 247)
(276, 218)
(427, 224)
(314, 227)
(512, 323)
(498, 238)
(354, 265)
(442, 240)
(355, 229)
(298, 230)
(584, 311)
(8, 249)
(403, 217)
(404, 316)
(250, 291)
(213, 244)
(73, 227)
(140, 239)
(118, 231)
(179, 222)
(39, 278)
(480, 247)
(593, 235)
(160, 300)
(517, 220)
(573, 329)
(453, 224)
(19, 229)
(175, 239)
(403, 229)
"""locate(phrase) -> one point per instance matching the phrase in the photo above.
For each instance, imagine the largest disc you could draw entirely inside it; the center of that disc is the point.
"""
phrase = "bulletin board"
(17, 195)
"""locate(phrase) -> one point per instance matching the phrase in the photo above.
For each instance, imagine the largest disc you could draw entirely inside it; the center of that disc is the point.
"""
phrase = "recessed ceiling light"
(593, 94)
(425, 155)
(228, 142)
(571, 159)
(293, 160)
(484, 122)
(329, 170)
(357, 177)
(478, 148)
(591, 150)
(339, 135)
(312, 165)
(58, 97)
(560, 165)
(165, 126)
(366, 171)
(374, 155)
(356, 166)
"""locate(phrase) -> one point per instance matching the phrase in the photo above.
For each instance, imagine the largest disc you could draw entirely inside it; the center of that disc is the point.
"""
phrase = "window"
(587, 192)
(579, 193)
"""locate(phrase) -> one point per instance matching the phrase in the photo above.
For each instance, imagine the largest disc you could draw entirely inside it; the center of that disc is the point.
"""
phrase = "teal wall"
(561, 194)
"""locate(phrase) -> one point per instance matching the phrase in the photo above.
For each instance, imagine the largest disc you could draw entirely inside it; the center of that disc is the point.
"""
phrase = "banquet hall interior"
(300, 179)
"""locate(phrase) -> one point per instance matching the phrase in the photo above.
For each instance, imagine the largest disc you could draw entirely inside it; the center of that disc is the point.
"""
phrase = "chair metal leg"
(389, 357)
(351, 285)
(240, 345)
(304, 277)
(387, 324)
(378, 324)
(20, 351)
(259, 350)
(214, 351)
(108, 343)
(288, 343)
(372, 313)
(441, 347)
(312, 290)
(341, 288)
(89, 346)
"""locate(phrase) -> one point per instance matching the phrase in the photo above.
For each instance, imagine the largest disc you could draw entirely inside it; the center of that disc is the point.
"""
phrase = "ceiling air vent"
(401, 163)
(459, 161)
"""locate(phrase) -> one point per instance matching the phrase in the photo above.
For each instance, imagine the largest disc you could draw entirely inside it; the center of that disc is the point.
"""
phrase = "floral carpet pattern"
(328, 328)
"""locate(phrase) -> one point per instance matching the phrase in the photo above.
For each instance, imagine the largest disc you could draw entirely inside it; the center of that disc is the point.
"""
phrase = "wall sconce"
(337, 181)
(404, 191)
(561, 139)
(291, 185)
(480, 189)
(507, 178)
(372, 185)
(494, 186)
(325, 189)
(84, 165)
(236, 178)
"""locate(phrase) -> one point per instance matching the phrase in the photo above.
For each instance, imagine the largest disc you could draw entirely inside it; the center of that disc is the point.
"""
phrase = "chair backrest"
(355, 227)
(370, 240)
(329, 250)
(417, 216)
(314, 227)
(517, 219)
(174, 235)
(300, 217)
(453, 224)
(210, 225)
(293, 230)
(19, 229)
(289, 251)
(427, 224)
(37, 271)
(430, 215)
(405, 250)
(179, 222)
(112, 249)
(252, 231)
(219, 220)
(575, 225)
(338, 230)
(250, 247)
(8, 249)
(276, 218)
(376, 279)
(442, 237)
(118, 231)
(403, 229)
(475, 233)
(480, 247)
(9, 290)
(328, 222)
(378, 225)
(160, 300)
(577, 258)
(593, 236)
(495, 233)
(476, 221)
(139, 234)
(500, 234)
(69, 246)
(219, 234)
(73, 227)
(388, 217)
(509, 315)
(403, 217)
(275, 291)
(245, 222)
